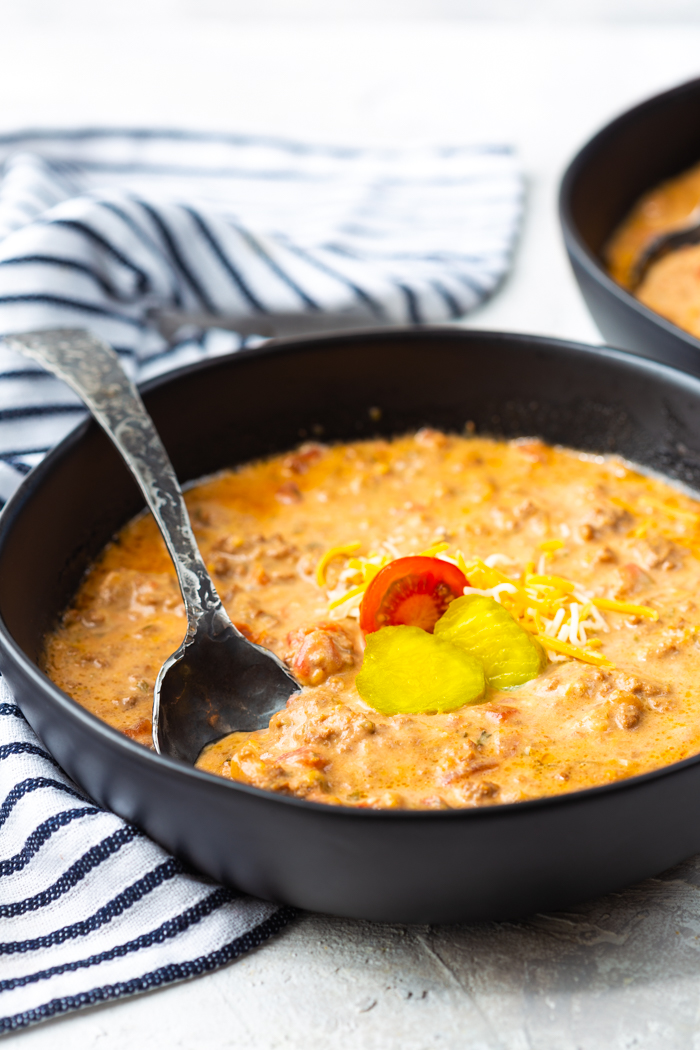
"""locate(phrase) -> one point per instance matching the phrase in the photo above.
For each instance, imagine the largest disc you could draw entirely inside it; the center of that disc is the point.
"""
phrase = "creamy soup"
(671, 286)
(599, 563)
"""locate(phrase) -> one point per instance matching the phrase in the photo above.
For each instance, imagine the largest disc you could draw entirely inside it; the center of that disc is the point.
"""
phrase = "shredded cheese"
(624, 505)
(334, 552)
(639, 531)
(557, 611)
(625, 607)
(461, 563)
(566, 649)
(687, 523)
(549, 546)
(346, 597)
(497, 559)
(557, 582)
(437, 548)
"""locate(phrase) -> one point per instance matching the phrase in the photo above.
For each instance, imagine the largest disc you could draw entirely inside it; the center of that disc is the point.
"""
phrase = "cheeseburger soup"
(471, 621)
(671, 285)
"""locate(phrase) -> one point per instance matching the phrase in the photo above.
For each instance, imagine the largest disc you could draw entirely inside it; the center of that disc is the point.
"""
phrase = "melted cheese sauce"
(262, 529)
(671, 287)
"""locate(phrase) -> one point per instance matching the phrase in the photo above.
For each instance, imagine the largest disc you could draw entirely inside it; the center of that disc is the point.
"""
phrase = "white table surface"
(622, 972)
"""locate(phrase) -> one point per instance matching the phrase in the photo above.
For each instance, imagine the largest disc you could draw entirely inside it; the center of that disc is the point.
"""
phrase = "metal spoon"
(667, 242)
(217, 682)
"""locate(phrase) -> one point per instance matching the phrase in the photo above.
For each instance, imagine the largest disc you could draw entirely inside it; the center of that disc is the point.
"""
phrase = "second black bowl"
(638, 150)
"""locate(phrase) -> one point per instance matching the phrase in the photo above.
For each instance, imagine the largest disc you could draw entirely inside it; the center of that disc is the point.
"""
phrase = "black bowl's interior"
(638, 150)
(414, 866)
(302, 397)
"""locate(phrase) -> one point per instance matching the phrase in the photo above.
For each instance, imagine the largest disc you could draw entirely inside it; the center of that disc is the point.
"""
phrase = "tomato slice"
(413, 591)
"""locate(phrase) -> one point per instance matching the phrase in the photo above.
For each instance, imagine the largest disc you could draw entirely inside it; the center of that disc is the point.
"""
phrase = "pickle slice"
(485, 629)
(408, 671)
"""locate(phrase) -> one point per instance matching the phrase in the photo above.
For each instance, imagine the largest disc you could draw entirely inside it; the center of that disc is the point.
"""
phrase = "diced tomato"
(142, 732)
(245, 630)
(315, 653)
(414, 591)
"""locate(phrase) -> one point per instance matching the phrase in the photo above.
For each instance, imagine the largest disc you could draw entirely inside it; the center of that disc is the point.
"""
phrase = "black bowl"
(410, 866)
(646, 145)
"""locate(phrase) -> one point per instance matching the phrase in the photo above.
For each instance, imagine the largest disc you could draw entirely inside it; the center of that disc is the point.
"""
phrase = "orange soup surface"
(597, 562)
(671, 285)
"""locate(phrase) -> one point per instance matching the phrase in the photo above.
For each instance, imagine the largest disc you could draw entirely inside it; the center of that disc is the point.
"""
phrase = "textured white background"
(620, 973)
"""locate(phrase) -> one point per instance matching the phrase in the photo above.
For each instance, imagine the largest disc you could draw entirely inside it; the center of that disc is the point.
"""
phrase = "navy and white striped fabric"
(107, 230)
(90, 909)
(112, 230)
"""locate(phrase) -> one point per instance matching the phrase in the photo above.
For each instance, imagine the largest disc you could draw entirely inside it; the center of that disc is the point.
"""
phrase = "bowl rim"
(573, 241)
(12, 651)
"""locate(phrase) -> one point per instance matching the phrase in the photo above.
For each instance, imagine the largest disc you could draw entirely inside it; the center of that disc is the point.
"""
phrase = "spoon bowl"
(216, 682)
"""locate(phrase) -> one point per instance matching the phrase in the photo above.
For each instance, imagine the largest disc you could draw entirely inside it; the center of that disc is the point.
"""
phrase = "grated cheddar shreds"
(555, 582)
(433, 551)
(611, 605)
(352, 593)
(648, 504)
(549, 546)
(334, 552)
(557, 611)
(687, 523)
(578, 653)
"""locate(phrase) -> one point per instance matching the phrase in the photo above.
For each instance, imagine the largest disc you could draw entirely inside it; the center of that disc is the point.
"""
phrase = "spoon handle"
(93, 370)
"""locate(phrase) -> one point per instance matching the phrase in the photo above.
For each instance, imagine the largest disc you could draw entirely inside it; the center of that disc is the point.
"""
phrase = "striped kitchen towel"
(175, 247)
(90, 909)
(153, 239)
